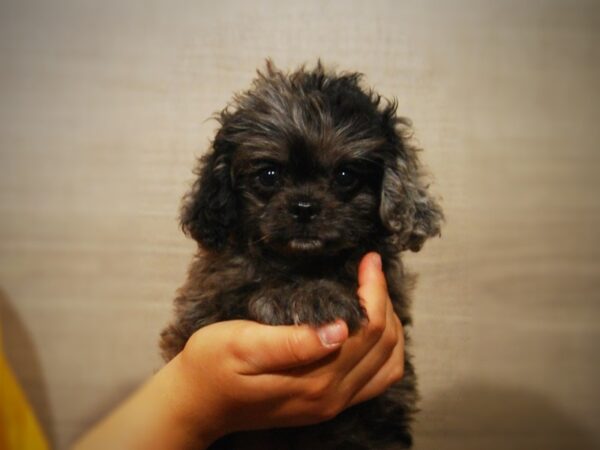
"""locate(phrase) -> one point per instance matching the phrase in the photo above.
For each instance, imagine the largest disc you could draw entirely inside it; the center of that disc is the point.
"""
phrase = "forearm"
(159, 415)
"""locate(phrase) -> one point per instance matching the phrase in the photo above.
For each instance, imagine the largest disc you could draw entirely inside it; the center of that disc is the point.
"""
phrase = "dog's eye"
(345, 178)
(269, 176)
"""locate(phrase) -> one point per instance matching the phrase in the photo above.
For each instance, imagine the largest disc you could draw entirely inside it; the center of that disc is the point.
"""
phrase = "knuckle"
(376, 326)
(236, 358)
(233, 347)
(328, 411)
(236, 347)
(390, 339)
(397, 373)
(294, 346)
(318, 390)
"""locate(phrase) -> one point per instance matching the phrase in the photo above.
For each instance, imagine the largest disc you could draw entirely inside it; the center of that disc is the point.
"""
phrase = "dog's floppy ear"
(407, 209)
(209, 212)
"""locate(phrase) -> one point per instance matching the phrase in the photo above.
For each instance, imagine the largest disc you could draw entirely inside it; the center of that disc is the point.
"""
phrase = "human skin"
(241, 375)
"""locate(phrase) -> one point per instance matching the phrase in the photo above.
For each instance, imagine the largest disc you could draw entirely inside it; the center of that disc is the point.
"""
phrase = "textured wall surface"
(103, 110)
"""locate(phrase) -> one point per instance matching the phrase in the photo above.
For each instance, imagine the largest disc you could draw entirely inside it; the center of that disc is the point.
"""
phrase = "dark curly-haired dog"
(308, 172)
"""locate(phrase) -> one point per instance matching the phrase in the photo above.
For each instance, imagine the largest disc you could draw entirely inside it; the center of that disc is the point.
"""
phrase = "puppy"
(308, 172)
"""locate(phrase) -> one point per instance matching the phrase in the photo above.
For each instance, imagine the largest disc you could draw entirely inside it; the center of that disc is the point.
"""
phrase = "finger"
(369, 266)
(391, 372)
(267, 349)
(372, 291)
(372, 363)
(373, 295)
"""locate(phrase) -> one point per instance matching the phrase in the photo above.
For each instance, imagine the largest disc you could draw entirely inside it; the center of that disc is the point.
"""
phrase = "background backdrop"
(104, 108)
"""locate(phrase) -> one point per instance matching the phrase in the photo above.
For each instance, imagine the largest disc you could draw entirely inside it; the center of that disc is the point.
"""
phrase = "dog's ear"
(407, 209)
(209, 211)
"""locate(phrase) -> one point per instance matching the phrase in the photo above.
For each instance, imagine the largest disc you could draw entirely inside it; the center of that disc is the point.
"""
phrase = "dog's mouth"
(305, 245)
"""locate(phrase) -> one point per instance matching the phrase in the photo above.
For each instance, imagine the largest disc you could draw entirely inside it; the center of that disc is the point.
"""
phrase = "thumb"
(268, 349)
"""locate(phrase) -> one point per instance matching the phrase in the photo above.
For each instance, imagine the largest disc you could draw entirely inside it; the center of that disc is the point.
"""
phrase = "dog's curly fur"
(307, 173)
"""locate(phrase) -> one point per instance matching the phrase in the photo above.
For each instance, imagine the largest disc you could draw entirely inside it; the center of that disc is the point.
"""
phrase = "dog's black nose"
(304, 211)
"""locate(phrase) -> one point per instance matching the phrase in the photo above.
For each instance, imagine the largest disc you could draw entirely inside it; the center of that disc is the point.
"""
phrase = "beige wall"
(103, 109)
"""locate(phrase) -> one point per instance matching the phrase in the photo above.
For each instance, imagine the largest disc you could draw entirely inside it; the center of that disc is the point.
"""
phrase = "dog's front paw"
(324, 301)
(269, 306)
(311, 302)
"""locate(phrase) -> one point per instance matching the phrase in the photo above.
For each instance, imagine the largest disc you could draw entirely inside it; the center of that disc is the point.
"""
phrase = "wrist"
(193, 410)
(166, 412)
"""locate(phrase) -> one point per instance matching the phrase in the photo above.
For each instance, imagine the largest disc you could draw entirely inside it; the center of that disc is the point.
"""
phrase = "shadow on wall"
(23, 358)
(479, 416)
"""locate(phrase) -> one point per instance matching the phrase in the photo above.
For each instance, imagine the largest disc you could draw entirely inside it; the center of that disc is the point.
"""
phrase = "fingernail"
(376, 260)
(332, 335)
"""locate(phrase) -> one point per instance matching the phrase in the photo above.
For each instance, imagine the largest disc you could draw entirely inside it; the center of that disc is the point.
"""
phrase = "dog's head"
(310, 163)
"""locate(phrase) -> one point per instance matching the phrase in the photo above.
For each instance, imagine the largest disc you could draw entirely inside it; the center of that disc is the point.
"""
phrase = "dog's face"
(309, 164)
(308, 194)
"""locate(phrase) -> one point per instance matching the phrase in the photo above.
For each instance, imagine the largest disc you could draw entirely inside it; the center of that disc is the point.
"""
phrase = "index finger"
(372, 291)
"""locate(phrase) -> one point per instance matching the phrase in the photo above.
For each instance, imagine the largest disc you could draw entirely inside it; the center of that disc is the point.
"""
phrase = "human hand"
(241, 375)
